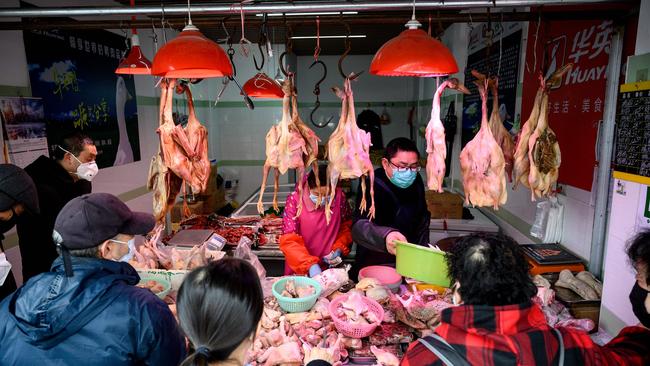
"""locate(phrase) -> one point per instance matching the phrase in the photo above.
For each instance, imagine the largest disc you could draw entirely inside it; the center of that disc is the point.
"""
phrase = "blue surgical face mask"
(128, 256)
(314, 199)
(403, 179)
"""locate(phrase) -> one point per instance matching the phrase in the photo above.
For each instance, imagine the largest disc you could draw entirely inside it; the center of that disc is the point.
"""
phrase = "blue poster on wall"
(504, 61)
(73, 72)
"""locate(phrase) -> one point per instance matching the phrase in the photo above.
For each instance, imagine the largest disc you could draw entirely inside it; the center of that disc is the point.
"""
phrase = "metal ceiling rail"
(292, 7)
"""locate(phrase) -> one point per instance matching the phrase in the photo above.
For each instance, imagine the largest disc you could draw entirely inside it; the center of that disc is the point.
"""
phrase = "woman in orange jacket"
(307, 241)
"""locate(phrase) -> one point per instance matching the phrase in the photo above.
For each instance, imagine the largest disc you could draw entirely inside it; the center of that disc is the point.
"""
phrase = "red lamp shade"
(134, 63)
(413, 53)
(191, 55)
(262, 86)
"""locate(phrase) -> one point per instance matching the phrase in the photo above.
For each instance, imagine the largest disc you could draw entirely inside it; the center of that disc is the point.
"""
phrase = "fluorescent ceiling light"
(330, 37)
(309, 14)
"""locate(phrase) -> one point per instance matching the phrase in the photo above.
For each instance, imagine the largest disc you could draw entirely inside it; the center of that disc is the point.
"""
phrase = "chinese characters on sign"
(74, 74)
(576, 103)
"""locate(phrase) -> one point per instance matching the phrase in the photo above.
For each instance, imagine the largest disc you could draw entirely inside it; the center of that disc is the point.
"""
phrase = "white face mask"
(5, 268)
(128, 256)
(86, 171)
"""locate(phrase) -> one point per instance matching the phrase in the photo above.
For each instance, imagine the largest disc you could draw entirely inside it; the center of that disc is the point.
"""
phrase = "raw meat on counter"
(293, 291)
(384, 358)
(391, 334)
(348, 153)
(152, 285)
(354, 310)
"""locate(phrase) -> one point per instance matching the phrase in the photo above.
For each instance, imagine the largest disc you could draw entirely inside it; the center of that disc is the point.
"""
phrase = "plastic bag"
(538, 230)
(332, 279)
(243, 251)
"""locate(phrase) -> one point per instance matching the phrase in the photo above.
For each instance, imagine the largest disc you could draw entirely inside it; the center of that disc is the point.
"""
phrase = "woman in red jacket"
(307, 241)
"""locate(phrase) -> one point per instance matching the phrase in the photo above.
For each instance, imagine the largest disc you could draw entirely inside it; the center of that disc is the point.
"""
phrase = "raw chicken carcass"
(501, 135)
(384, 358)
(543, 148)
(311, 158)
(435, 136)
(197, 136)
(162, 181)
(482, 163)
(522, 164)
(348, 152)
(285, 149)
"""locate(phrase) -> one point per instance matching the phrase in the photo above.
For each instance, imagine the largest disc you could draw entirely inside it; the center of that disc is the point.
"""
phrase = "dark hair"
(74, 142)
(219, 306)
(322, 177)
(491, 269)
(638, 250)
(400, 144)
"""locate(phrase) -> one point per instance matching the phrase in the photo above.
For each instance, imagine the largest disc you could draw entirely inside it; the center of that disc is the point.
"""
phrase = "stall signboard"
(23, 123)
(74, 74)
(576, 103)
(503, 60)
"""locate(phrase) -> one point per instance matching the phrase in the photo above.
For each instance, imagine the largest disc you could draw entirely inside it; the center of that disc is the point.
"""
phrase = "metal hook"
(317, 93)
(288, 49)
(348, 48)
(260, 41)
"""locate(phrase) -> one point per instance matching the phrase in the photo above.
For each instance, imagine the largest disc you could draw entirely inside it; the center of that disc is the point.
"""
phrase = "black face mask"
(637, 298)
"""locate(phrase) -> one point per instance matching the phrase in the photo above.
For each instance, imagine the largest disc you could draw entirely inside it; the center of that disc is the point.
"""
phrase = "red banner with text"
(576, 106)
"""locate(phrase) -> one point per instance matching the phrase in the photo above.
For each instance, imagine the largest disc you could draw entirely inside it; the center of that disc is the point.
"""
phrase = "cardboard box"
(444, 205)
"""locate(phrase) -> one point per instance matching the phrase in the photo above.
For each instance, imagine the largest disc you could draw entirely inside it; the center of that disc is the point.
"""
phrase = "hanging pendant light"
(135, 63)
(191, 55)
(262, 86)
(413, 53)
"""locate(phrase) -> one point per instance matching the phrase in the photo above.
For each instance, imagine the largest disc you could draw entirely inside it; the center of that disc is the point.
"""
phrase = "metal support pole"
(606, 147)
(293, 7)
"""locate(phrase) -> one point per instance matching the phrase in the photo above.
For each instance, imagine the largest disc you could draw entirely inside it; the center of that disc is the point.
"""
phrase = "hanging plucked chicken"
(286, 148)
(435, 137)
(482, 163)
(348, 152)
(543, 147)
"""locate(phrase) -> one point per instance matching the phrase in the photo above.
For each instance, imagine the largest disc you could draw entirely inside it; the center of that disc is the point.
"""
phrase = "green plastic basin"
(422, 264)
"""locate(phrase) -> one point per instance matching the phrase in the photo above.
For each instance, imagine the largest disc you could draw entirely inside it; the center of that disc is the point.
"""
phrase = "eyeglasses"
(405, 168)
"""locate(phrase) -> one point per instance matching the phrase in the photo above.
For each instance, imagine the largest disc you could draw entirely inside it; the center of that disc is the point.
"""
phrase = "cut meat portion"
(348, 152)
(285, 149)
(384, 358)
(391, 334)
(482, 163)
(435, 136)
(173, 141)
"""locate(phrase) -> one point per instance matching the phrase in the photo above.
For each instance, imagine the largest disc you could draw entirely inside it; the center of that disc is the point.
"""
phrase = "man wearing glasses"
(400, 208)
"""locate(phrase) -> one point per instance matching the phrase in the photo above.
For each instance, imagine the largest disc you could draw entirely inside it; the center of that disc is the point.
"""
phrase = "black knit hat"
(16, 186)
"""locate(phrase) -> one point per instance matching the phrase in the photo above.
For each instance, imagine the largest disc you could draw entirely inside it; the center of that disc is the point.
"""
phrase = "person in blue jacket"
(87, 309)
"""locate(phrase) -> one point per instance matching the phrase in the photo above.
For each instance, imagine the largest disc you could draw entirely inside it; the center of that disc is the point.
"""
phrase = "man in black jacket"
(57, 181)
(400, 208)
(18, 198)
